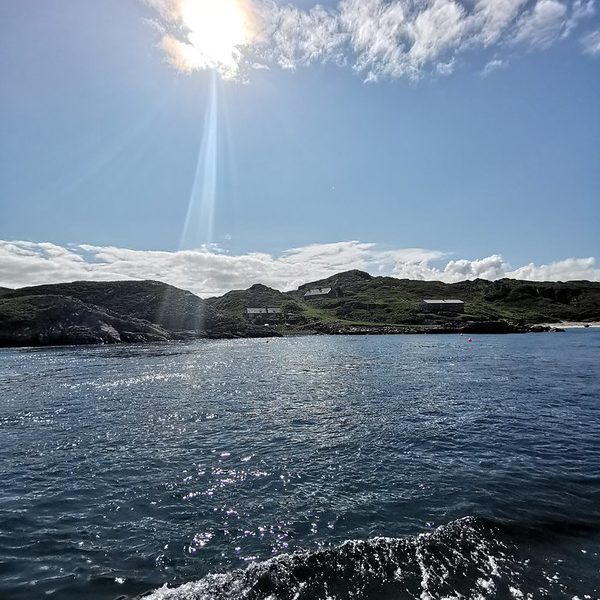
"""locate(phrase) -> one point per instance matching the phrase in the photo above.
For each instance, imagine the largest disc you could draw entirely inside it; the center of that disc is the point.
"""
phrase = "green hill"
(153, 301)
(258, 296)
(361, 298)
(145, 311)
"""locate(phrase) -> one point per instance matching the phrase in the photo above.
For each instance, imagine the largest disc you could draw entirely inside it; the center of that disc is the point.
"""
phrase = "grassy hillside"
(142, 311)
(258, 296)
(386, 300)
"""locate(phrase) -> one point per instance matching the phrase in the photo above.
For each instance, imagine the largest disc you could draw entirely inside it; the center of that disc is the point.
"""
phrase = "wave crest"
(464, 559)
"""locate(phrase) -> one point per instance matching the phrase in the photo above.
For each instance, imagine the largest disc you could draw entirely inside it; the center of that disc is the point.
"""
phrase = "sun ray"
(199, 222)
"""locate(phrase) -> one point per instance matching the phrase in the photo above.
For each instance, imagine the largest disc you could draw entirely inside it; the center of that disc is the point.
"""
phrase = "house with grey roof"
(263, 313)
(442, 306)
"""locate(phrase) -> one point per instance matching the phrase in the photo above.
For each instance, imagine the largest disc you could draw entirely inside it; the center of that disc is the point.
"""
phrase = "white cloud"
(543, 24)
(570, 269)
(492, 267)
(296, 37)
(495, 267)
(492, 18)
(591, 43)
(435, 30)
(377, 38)
(208, 271)
(495, 64)
(446, 68)
(580, 10)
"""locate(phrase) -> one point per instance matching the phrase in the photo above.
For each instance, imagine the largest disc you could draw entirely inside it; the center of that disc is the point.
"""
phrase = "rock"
(58, 320)
(539, 329)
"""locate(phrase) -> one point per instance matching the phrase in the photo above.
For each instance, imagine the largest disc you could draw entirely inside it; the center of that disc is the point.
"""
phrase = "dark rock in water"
(539, 329)
(492, 327)
(57, 320)
(544, 329)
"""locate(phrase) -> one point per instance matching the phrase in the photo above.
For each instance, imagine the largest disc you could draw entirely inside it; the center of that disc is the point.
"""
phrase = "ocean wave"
(467, 558)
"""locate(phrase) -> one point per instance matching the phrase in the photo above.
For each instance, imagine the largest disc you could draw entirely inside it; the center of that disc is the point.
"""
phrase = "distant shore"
(349, 303)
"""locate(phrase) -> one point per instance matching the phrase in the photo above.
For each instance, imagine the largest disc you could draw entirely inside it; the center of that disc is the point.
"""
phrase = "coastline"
(574, 325)
(339, 329)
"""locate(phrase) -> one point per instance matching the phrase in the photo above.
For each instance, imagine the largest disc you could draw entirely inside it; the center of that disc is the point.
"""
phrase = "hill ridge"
(149, 310)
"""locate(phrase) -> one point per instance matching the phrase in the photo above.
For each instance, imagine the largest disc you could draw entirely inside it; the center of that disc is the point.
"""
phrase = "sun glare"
(217, 30)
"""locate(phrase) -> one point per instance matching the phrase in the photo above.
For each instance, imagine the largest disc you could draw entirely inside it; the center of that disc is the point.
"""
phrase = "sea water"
(390, 467)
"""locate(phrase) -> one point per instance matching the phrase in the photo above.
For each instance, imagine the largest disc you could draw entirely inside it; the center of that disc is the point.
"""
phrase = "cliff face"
(56, 320)
(153, 301)
(149, 311)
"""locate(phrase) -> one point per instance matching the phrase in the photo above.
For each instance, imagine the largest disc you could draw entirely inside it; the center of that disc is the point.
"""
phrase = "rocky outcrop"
(58, 320)
(114, 312)
(153, 301)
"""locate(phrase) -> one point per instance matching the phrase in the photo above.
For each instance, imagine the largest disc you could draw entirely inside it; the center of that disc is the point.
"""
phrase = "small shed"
(263, 314)
(436, 306)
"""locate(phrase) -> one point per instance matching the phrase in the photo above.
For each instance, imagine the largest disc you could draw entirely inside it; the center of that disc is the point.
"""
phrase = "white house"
(316, 292)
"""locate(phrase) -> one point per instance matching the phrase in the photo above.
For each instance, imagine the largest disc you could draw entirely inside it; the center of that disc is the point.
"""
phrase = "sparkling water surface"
(463, 469)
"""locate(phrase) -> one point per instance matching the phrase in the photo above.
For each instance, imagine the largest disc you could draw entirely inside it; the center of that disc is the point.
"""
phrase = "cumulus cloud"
(376, 38)
(569, 269)
(492, 267)
(210, 272)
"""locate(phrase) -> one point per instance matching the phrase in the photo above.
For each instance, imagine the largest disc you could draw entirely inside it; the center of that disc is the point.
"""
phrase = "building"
(318, 292)
(436, 306)
(263, 313)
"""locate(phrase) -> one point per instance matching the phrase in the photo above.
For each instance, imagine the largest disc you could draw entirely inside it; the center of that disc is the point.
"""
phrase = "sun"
(217, 30)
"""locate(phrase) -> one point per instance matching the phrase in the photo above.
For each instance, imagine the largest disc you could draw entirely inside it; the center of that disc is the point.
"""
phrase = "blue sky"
(476, 142)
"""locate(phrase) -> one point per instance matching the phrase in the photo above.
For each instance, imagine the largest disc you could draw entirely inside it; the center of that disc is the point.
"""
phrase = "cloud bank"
(376, 38)
(210, 272)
